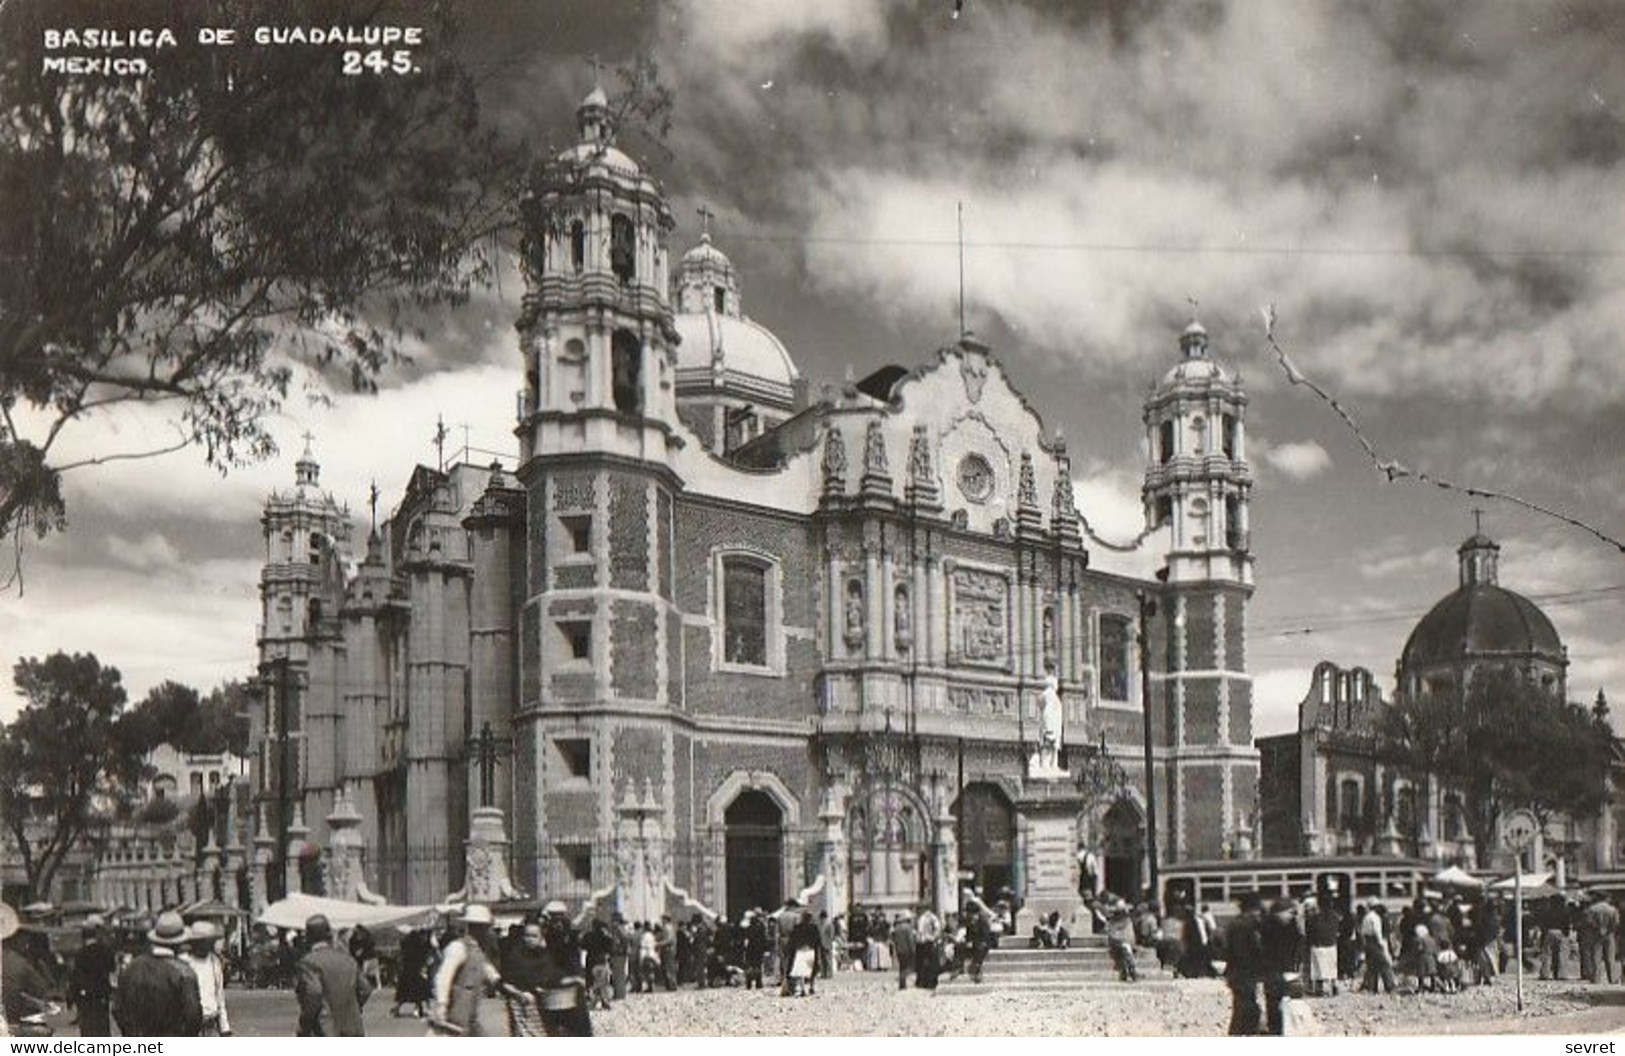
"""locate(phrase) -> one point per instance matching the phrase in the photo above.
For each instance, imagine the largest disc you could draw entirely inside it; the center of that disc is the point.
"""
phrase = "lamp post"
(1148, 609)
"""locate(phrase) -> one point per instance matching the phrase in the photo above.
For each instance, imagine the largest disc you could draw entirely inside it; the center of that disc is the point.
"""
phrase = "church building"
(722, 639)
(1326, 788)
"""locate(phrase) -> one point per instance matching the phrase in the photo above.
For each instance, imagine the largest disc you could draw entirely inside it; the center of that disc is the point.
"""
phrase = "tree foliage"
(1507, 744)
(193, 236)
(175, 714)
(69, 755)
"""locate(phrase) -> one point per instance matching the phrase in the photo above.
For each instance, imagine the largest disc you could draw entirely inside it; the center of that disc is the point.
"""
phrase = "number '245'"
(359, 62)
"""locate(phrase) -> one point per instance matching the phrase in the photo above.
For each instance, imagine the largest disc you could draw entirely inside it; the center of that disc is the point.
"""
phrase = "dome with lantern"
(722, 349)
(1196, 365)
(1480, 622)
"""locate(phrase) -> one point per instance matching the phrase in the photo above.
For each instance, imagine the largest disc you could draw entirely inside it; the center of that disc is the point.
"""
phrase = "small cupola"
(592, 117)
(1479, 555)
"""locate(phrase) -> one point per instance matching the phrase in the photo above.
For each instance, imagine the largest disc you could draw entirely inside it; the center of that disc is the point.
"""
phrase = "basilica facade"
(719, 638)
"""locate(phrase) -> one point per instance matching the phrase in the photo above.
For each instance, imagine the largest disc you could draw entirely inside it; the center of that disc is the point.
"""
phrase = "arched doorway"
(986, 830)
(1122, 839)
(754, 852)
(890, 848)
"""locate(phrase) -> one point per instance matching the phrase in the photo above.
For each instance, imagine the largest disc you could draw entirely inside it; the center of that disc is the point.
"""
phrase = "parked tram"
(1340, 881)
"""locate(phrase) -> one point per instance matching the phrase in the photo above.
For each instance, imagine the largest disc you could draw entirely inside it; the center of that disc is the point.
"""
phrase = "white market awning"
(1529, 880)
(292, 912)
(1456, 876)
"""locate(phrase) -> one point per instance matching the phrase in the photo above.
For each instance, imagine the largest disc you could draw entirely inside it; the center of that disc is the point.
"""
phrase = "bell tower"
(1199, 485)
(599, 634)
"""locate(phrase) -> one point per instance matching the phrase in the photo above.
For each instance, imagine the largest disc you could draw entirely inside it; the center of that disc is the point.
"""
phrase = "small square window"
(578, 636)
(577, 755)
(577, 862)
(579, 528)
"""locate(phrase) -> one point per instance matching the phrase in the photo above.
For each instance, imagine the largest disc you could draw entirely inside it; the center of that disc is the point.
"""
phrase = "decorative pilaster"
(947, 862)
(833, 855)
(297, 833)
(259, 877)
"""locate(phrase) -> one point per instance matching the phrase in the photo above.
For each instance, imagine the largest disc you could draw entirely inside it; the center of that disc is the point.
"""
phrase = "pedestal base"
(1051, 856)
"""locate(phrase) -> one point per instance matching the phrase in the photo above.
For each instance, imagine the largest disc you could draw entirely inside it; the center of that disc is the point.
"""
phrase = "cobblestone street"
(858, 1004)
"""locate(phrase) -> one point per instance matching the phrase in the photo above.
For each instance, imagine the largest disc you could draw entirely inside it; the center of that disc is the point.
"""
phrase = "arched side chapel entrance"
(751, 818)
(1116, 834)
(754, 853)
(986, 833)
(889, 841)
(1122, 845)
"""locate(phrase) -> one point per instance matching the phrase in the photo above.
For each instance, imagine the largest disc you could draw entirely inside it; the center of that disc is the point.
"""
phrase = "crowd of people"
(552, 970)
(1436, 944)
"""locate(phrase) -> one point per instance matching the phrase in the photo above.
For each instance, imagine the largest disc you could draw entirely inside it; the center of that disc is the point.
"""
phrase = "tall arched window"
(623, 247)
(578, 246)
(1116, 638)
(1349, 812)
(744, 611)
(1405, 810)
(1165, 441)
(626, 354)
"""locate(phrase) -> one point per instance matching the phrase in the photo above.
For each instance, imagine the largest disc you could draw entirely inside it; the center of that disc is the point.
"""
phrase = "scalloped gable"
(966, 400)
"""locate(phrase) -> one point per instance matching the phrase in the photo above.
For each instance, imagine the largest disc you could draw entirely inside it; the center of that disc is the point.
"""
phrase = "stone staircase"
(1086, 965)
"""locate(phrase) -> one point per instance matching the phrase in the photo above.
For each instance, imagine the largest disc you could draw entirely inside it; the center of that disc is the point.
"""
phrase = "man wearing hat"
(1244, 965)
(465, 974)
(329, 985)
(157, 993)
(26, 990)
(200, 956)
(90, 987)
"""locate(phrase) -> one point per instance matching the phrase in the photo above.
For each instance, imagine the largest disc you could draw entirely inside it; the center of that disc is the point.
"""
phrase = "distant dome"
(596, 97)
(1481, 620)
(743, 345)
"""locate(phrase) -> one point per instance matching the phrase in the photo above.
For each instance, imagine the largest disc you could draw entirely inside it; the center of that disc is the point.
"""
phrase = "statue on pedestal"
(1045, 763)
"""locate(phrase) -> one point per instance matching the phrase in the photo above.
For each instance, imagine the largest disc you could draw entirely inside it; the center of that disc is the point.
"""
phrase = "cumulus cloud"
(1429, 197)
(152, 552)
(1300, 460)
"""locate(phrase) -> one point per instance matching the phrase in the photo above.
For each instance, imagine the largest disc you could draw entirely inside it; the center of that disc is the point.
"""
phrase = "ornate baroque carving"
(977, 700)
(973, 369)
(854, 614)
(980, 618)
(902, 618)
(875, 462)
(575, 491)
(919, 458)
(1028, 495)
(834, 460)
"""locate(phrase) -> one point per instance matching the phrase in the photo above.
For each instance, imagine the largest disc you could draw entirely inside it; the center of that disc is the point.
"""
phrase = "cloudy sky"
(1428, 193)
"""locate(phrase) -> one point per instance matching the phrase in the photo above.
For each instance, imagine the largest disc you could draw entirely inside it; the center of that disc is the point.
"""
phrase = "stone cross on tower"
(372, 503)
(1478, 519)
(706, 216)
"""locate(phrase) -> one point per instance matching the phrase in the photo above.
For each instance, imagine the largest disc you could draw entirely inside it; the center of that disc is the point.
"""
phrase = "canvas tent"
(1456, 876)
(293, 911)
